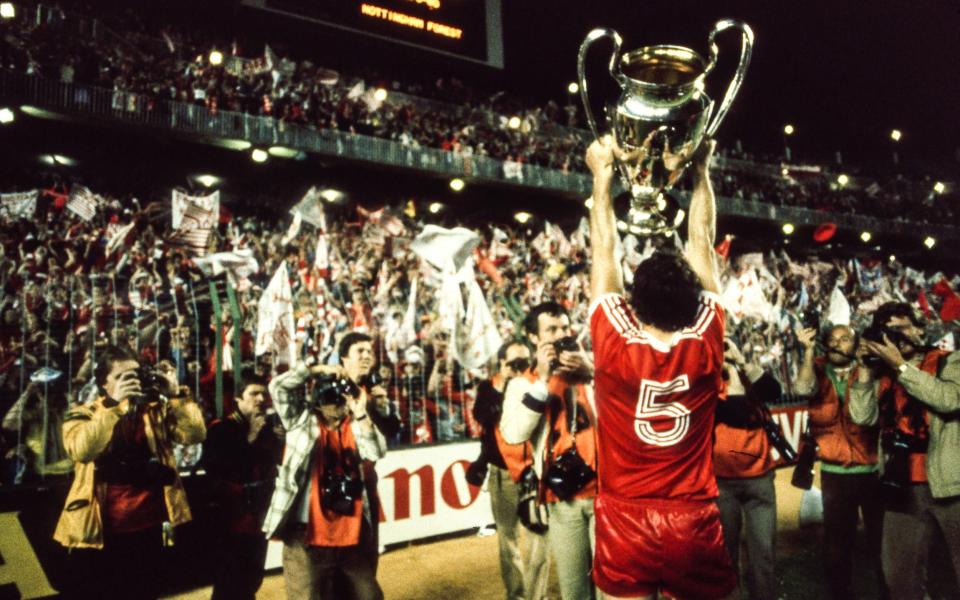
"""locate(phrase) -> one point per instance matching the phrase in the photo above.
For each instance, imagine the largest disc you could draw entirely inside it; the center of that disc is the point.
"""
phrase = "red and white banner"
(424, 492)
(193, 231)
(179, 202)
(83, 202)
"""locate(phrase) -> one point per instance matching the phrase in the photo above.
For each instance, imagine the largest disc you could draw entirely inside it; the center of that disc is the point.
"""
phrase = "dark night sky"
(844, 72)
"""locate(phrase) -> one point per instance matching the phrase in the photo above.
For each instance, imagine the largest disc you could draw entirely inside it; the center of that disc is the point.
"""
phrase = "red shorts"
(656, 544)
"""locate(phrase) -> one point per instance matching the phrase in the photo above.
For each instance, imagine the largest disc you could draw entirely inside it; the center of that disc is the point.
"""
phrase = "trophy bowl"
(661, 117)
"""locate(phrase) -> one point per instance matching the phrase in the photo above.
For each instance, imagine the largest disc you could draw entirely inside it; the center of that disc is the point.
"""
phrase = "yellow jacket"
(87, 431)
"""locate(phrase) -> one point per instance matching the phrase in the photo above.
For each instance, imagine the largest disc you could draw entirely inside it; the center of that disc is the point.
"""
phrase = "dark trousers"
(845, 497)
(239, 571)
(751, 502)
(129, 566)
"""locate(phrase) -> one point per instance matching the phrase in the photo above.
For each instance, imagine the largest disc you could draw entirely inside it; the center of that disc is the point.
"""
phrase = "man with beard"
(848, 455)
(915, 398)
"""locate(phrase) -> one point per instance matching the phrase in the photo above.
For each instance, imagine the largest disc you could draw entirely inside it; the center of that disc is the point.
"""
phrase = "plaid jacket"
(303, 431)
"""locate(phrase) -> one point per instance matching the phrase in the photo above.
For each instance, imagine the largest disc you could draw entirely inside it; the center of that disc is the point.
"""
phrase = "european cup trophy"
(661, 117)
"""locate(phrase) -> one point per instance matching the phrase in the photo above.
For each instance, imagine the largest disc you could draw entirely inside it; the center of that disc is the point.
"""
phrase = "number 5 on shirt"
(651, 409)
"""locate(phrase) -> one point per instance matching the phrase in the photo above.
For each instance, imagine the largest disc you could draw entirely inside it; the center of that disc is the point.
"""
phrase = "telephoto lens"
(803, 472)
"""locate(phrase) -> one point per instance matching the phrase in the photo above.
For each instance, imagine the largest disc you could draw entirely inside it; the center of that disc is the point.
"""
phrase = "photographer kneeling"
(126, 487)
(319, 507)
(913, 392)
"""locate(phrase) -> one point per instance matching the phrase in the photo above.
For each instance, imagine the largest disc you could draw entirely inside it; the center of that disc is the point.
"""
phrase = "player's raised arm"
(702, 221)
(606, 275)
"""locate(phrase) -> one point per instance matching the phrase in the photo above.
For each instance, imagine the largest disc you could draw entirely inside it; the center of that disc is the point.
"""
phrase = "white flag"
(238, 265)
(275, 326)
(743, 296)
(311, 210)
(838, 312)
(478, 338)
(293, 230)
(440, 246)
(321, 260)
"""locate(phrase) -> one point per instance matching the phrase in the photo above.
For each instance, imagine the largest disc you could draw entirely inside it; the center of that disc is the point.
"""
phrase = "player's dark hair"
(666, 291)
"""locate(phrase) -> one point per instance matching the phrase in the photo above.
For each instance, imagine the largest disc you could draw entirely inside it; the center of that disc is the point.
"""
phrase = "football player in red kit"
(659, 357)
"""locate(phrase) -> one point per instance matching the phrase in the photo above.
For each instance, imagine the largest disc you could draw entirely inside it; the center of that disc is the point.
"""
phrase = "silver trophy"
(661, 117)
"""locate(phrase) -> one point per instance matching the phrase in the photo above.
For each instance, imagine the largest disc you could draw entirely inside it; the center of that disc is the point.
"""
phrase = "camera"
(333, 390)
(371, 379)
(803, 472)
(151, 384)
(875, 333)
(339, 493)
(775, 435)
(564, 344)
(476, 472)
(897, 448)
(568, 474)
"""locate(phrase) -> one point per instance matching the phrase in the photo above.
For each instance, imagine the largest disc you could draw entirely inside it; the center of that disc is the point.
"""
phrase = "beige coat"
(86, 434)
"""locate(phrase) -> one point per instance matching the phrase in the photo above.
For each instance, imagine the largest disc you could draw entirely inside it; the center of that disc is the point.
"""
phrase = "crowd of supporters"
(146, 63)
(72, 285)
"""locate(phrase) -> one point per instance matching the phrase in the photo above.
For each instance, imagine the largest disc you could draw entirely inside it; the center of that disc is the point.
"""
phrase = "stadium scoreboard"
(467, 29)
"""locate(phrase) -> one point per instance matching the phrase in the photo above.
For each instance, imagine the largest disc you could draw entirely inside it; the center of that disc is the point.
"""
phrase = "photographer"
(913, 393)
(357, 357)
(556, 413)
(126, 487)
(241, 454)
(848, 455)
(320, 509)
(524, 575)
(745, 468)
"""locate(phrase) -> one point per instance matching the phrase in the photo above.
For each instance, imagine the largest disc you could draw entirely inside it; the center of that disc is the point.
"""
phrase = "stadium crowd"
(146, 63)
(72, 285)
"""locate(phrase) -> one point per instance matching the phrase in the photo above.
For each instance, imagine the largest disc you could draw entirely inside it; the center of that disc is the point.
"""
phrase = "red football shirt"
(655, 402)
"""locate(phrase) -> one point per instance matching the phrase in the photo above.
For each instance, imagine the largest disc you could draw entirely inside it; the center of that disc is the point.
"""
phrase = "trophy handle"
(746, 49)
(593, 36)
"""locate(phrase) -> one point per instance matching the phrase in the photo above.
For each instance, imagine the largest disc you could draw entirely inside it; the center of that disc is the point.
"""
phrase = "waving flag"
(311, 210)
(181, 200)
(275, 325)
(83, 202)
(194, 229)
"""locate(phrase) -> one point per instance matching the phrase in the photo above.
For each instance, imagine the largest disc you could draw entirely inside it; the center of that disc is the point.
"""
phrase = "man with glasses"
(913, 394)
(848, 455)
(524, 574)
